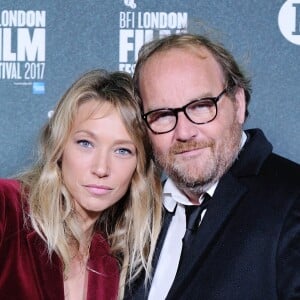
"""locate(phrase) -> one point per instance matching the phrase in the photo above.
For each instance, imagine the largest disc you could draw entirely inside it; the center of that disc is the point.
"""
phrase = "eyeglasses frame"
(183, 109)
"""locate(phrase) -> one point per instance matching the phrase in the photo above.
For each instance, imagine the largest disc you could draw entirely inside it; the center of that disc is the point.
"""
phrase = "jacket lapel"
(103, 271)
(138, 290)
(166, 222)
(47, 272)
(228, 194)
(226, 197)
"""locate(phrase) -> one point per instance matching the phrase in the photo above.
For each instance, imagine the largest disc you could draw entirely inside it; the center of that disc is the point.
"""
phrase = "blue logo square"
(38, 88)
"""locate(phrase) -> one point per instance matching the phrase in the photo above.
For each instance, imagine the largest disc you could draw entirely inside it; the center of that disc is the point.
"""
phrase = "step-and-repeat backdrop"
(46, 45)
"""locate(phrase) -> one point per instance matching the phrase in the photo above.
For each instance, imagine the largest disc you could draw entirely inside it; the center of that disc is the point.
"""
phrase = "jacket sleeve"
(2, 214)
(288, 256)
(9, 204)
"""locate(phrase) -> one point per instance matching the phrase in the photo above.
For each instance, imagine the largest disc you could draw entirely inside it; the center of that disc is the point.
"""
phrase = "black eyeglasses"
(199, 111)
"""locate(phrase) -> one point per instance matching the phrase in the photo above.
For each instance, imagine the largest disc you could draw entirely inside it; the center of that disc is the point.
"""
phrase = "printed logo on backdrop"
(139, 27)
(130, 3)
(23, 48)
(289, 21)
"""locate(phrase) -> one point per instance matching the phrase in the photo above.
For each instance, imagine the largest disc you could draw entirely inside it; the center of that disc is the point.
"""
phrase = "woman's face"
(99, 159)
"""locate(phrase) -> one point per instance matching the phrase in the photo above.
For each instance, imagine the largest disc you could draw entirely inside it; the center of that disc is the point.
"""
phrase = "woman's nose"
(101, 165)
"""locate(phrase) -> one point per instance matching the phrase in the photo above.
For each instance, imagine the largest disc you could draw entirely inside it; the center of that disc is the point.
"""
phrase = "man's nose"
(185, 129)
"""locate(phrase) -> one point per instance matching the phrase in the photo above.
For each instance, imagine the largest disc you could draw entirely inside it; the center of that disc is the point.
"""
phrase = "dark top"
(248, 244)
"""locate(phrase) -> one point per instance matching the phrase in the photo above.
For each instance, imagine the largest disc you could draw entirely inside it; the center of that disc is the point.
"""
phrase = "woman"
(84, 220)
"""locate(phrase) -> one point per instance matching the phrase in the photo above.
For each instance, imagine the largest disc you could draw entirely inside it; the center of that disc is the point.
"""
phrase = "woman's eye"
(123, 151)
(84, 143)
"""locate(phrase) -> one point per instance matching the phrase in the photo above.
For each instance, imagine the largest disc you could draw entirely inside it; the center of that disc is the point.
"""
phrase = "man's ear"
(240, 102)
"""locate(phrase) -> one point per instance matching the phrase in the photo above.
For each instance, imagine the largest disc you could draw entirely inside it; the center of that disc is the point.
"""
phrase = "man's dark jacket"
(248, 244)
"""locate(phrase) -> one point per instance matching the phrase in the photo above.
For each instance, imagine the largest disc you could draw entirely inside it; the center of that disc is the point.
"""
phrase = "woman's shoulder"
(10, 193)
(10, 189)
(11, 209)
(9, 186)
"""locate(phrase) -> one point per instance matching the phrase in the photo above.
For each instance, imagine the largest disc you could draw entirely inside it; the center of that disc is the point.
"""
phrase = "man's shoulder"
(281, 166)
(257, 157)
(276, 178)
(273, 170)
(284, 163)
(265, 172)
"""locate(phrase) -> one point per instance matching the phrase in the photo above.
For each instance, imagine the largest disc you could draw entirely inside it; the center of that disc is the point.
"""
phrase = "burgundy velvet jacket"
(26, 272)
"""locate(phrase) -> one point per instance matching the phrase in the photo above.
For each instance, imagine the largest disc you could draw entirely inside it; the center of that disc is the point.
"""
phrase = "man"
(245, 244)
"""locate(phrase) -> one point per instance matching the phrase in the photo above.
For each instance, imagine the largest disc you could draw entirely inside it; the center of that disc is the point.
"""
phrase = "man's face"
(194, 156)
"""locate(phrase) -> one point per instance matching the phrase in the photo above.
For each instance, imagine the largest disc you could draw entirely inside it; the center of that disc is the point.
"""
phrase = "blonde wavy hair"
(133, 223)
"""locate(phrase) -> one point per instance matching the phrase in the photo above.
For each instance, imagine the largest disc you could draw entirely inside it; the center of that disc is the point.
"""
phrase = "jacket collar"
(228, 194)
(47, 270)
(103, 270)
(255, 151)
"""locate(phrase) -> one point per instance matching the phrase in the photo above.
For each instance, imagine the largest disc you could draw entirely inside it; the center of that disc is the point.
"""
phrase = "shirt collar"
(173, 196)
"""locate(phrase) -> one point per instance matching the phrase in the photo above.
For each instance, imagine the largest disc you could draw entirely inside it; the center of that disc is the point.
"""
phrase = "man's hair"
(234, 76)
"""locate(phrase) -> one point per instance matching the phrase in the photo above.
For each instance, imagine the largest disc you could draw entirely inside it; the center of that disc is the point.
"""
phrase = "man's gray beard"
(199, 185)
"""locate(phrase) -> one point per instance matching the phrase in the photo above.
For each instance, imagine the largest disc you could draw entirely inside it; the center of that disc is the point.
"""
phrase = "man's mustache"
(181, 147)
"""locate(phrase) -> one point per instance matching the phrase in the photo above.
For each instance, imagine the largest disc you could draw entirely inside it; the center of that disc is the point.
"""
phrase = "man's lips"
(183, 151)
(190, 153)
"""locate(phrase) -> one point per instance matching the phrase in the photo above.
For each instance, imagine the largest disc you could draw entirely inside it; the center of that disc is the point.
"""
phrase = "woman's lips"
(98, 189)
